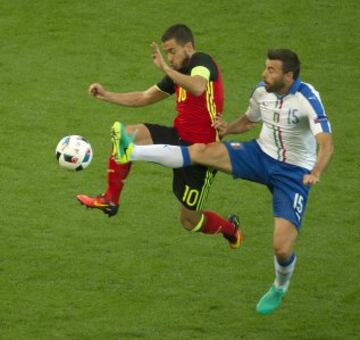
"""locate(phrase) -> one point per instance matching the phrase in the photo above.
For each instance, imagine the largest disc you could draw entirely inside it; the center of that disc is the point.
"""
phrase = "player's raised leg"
(117, 173)
(213, 155)
(284, 237)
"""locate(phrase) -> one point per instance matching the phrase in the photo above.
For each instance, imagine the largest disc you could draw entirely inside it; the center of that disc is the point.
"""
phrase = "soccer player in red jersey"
(196, 81)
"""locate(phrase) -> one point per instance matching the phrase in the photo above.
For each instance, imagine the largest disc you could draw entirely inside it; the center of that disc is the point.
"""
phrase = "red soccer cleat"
(99, 202)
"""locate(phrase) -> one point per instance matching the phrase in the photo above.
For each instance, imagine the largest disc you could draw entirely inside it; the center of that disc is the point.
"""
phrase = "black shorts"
(191, 185)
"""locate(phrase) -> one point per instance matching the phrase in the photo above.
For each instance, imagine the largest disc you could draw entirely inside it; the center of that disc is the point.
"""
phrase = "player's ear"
(189, 47)
(289, 76)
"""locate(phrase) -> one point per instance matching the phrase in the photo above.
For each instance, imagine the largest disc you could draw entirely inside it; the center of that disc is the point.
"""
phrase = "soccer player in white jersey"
(283, 158)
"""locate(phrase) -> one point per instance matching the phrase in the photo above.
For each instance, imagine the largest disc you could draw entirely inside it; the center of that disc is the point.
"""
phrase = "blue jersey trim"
(315, 103)
(295, 86)
(186, 156)
(259, 84)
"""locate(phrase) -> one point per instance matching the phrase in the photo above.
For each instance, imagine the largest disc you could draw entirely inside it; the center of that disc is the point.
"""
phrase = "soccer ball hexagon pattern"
(74, 152)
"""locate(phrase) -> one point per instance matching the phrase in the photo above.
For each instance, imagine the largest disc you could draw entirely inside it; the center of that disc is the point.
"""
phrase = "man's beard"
(275, 88)
(185, 63)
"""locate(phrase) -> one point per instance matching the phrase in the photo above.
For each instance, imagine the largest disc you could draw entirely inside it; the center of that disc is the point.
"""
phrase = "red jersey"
(195, 114)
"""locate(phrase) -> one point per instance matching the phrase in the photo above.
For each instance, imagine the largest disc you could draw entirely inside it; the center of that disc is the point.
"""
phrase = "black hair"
(180, 32)
(290, 60)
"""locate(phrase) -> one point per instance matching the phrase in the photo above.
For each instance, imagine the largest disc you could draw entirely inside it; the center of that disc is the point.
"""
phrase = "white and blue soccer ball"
(74, 153)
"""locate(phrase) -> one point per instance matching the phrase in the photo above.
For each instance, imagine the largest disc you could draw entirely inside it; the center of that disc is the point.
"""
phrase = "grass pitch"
(71, 273)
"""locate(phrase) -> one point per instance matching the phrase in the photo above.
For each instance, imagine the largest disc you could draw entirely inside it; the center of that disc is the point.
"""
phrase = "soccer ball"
(74, 153)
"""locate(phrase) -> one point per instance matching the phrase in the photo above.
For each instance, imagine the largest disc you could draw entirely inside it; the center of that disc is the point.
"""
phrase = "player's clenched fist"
(311, 179)
(97, 91)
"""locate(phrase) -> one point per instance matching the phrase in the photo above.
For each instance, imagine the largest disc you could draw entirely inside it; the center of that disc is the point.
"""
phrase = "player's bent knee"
(140, 133)
(131, 128)
(198, 148)
(197, 151)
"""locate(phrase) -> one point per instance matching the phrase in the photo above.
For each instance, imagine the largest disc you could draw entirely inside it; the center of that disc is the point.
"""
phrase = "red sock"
(117, 173)
(216, 224)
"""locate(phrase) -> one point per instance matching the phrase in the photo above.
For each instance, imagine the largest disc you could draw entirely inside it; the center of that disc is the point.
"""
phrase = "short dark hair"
(291, 62)
(180, 32)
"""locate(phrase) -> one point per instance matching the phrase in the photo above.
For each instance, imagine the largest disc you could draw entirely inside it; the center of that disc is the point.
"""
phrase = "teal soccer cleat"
(271, 300)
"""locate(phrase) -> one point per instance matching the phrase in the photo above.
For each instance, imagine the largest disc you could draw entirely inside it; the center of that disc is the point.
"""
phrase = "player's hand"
(97, 91)
(249, 126)
(157, 57)
(220, 125)
(311, 179)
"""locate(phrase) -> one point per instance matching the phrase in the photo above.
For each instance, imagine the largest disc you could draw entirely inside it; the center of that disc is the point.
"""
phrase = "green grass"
(70, 273)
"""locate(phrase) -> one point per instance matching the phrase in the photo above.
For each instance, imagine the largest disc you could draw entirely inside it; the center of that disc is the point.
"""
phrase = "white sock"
(283, 273)
(167, 155)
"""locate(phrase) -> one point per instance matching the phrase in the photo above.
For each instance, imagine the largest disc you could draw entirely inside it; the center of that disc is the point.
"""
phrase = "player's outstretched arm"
(325, 152)
(196, 85)
(239, 125)
(132, 99)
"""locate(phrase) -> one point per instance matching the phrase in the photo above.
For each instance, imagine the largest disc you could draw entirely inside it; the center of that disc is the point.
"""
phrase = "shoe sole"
(240, 239)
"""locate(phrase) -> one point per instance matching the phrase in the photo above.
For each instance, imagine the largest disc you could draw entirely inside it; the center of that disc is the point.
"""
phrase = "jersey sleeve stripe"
(315, 103)
(211, 105)
(325, 126)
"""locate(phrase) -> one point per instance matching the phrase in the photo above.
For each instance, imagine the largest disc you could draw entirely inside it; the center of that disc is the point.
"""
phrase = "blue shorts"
(289, 194)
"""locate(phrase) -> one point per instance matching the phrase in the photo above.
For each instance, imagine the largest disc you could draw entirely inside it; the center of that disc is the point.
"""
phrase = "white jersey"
(290, 123)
